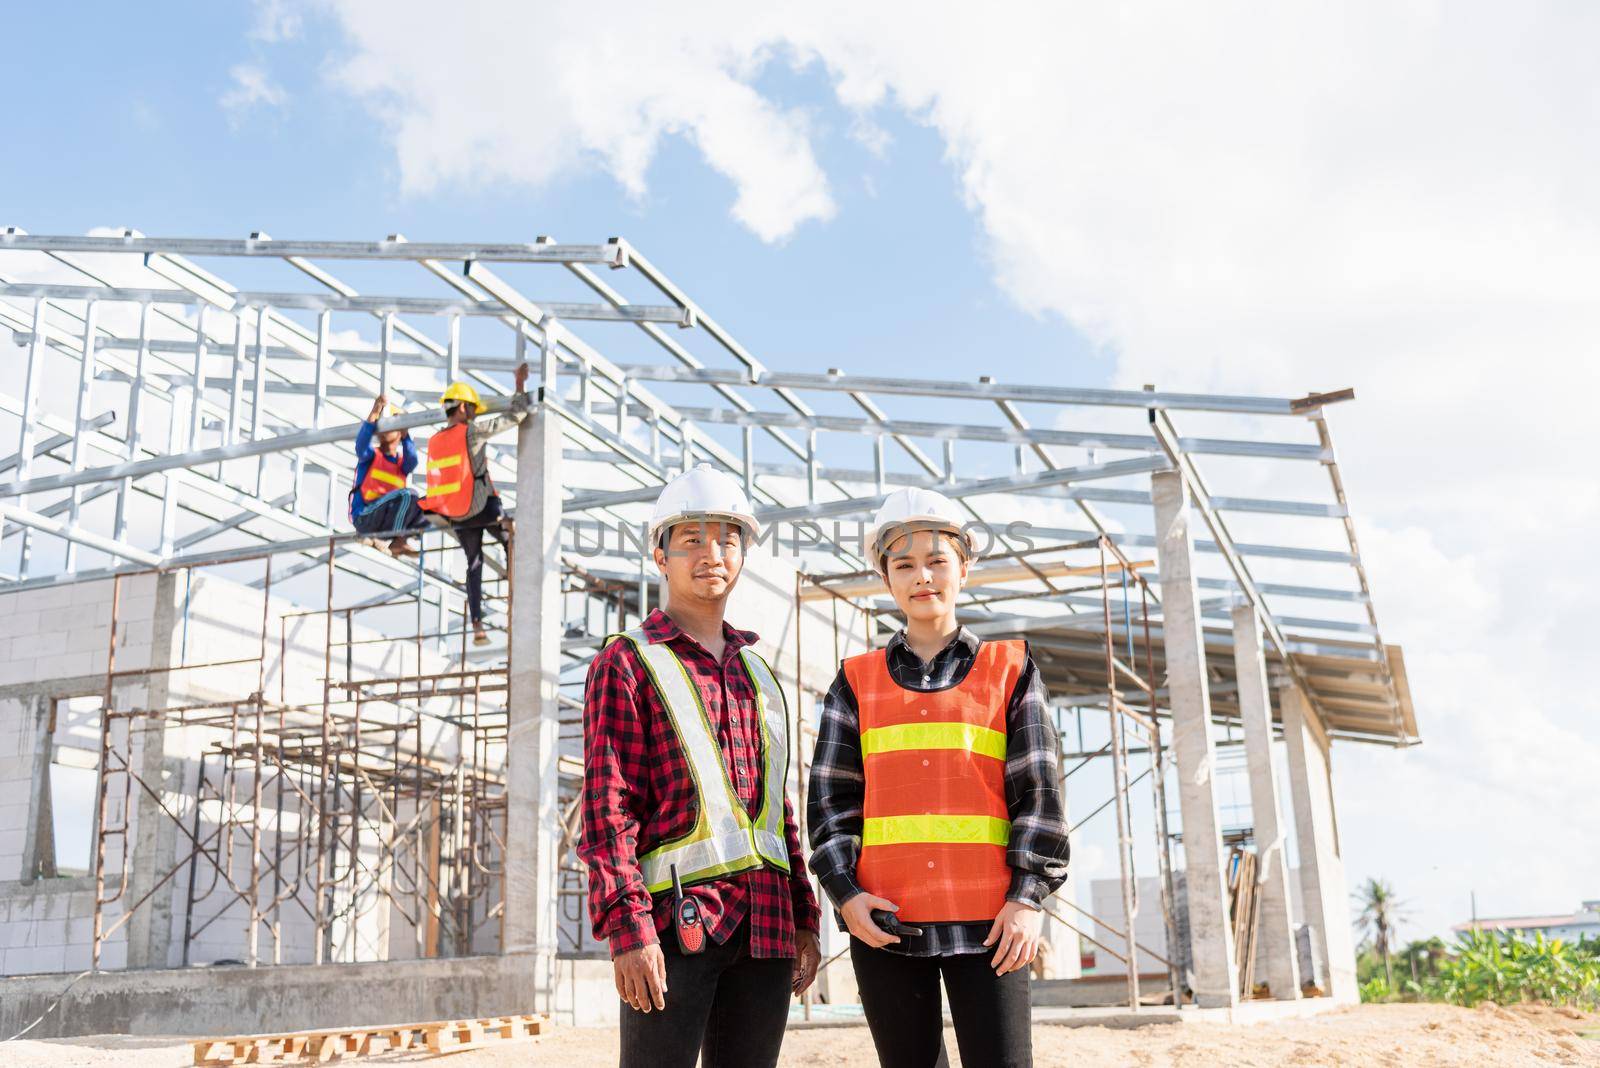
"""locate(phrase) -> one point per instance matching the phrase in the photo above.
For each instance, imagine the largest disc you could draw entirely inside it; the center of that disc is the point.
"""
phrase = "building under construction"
(247, 759)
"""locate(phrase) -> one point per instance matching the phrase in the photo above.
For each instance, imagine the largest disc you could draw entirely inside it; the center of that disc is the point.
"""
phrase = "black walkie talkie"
(686, 918)
(890, 924)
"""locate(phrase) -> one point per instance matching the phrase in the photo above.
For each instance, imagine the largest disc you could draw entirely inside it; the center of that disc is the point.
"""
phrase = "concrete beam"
(1322, 887)
(533, 822)
(1216, 978)
(236, 1000)
(1276, 960)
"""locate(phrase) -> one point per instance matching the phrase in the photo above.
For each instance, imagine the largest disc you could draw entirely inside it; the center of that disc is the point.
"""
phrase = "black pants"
(469, 532)
(721, 1003)
(391, 512)
(993, 1016)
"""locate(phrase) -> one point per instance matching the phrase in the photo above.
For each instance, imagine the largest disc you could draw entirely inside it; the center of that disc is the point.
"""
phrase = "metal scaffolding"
(338, 806)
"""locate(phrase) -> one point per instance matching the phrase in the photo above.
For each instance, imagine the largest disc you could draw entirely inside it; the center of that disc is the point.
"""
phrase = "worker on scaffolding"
(461, 495)
(381, 504)
(936, 822)
(696, 878)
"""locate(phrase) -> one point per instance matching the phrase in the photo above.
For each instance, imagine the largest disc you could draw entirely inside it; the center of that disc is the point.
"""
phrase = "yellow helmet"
(460, 391)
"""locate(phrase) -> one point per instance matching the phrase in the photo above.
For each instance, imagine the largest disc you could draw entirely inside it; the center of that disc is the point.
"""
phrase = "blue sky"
(902, 265)
(1235, 199)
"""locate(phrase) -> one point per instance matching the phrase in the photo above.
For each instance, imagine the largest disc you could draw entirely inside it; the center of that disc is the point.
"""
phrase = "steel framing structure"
(169, 419)
(215, 376)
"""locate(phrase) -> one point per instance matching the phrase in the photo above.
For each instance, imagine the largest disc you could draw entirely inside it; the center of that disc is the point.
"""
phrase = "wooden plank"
(440, 1036)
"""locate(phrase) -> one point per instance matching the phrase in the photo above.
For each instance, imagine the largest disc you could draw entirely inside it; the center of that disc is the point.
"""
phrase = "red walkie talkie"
(686, 918)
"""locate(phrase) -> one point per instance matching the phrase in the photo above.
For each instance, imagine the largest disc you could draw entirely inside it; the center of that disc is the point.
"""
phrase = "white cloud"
(524, 93)
(1238, 197)
(276, 20)
(251, 87)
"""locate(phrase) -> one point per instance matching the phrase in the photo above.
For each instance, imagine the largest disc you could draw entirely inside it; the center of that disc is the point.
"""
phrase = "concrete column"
(1066, 949)
(154, 837)
(1216, 980)
(1322, 888)
(1276, 961)
(1066, 956)
(533, 831)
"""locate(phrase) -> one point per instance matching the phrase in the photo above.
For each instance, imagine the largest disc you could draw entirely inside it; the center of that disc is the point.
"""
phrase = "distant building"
(1585, 923)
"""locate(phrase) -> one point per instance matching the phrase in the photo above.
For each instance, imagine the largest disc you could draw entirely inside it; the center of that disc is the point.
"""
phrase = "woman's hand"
(857, 914)
(1016, 930)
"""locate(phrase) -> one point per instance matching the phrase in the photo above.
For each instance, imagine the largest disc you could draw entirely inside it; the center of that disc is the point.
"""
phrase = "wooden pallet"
(316, 1047)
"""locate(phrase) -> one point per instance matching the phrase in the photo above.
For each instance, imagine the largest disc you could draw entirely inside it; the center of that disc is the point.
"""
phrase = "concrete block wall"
(45, 925)
(54, 644)
(50, 928)
(62, 633)
(219, 620)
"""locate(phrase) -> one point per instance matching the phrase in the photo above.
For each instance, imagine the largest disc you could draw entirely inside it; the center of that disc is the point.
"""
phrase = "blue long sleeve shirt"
(366, 450)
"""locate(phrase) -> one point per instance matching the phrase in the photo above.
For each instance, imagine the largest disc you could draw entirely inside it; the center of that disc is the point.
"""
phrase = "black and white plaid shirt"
(1037, 852)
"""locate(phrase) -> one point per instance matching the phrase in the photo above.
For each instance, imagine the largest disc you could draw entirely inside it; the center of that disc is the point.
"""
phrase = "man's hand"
(807, 956)
(522, 377)
(857, 914)
(641, 977)
(1016, 930)
(378, 407)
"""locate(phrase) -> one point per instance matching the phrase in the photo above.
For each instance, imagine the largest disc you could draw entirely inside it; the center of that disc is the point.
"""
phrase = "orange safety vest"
(449, 473)
(937, 825)
(383, 476)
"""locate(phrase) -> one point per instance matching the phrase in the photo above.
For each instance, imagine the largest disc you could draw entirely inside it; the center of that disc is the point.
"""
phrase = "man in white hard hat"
(696, 878)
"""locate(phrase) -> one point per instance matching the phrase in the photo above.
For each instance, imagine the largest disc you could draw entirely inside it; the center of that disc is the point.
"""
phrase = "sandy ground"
(1396, 1035)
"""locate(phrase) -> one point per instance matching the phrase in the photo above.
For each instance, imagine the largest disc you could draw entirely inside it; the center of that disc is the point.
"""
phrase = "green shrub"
(1508, 968)
(1375, 989)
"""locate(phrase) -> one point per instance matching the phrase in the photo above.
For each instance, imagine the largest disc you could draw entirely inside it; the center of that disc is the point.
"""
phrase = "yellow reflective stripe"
(902, 736)
(957, 830)
(443, 462)
(440, 491)
(384, 476)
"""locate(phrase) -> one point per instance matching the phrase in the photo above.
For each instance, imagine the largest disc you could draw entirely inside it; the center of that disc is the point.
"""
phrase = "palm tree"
(1381, 913)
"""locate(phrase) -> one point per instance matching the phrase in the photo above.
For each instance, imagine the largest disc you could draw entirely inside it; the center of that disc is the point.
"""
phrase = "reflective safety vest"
(724, 839)
(449, 473)
(936, 821)
(383, 476)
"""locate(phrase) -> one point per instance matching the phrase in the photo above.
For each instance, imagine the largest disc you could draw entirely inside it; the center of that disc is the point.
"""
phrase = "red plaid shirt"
(638, 792)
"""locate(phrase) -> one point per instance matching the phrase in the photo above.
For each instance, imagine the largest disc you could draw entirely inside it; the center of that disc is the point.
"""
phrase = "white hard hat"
(702, 493)
(910, 509)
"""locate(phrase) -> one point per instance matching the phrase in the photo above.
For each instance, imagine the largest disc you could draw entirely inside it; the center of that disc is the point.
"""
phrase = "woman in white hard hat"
(935, 817)
(461, 494)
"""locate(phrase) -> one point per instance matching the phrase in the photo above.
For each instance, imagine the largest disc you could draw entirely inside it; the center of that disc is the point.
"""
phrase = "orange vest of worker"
(383, 476)
(449, 473)
(937, 825)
